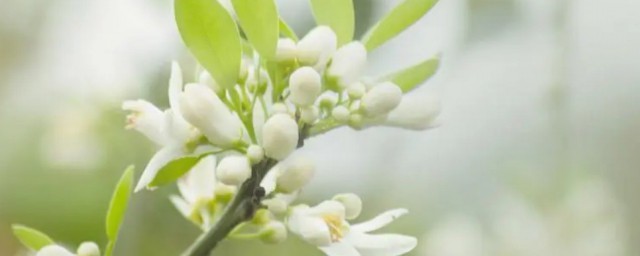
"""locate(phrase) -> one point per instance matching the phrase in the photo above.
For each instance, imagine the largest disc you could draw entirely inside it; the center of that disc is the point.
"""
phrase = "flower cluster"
(223, 134)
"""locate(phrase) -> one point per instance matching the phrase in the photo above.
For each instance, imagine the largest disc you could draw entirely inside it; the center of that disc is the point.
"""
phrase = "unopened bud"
(381, 99)
(341, 114)
(201, 107)
(286, 50)
(274, 232)
(352, 204)
(305, 85)
(415, 113)
(316, 47)
(88, 249)
(279, 136)
(255, 153)
(356, 120)
(233, 170)
(347, 63)
(276, 205)
(297, 173)
(356, 90)
(279, 108)
(309, 114)
(262, 216)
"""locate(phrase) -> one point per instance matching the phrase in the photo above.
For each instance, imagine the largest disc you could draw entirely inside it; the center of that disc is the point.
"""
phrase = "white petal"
(183, 207)
(177, 129)
(314, 231)
(415, 113)
(340, 249)
(382, 245)
(147, 119)
(54, 250)
(329, 207)
(200, 181)
(175, 86)
(159, 160)
(379, 221)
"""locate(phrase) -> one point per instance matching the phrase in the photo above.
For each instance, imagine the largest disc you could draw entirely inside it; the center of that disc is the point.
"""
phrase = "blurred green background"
(537, 154)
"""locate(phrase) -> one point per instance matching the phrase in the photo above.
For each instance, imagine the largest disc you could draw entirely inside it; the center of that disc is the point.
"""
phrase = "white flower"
(54, 250)
(201, 107)
(348, 63)
(233, 170)
(85, 249)
(279, 136)
(286, 50)
(415, 113)
(381, 99)
(295, 174)
(197, 189)
(317, 46)
(168, 129)
(88, 249)
(305, 85)
(309, 114)
(324, 226)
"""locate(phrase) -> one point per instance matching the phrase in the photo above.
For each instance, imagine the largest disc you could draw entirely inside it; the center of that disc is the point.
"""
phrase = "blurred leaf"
(118, 207)
(397, 20)
(260, 22)
(212, 36)
(287, 31)
(174, 170)
(338, 15)
(409, 78)
(31, 238)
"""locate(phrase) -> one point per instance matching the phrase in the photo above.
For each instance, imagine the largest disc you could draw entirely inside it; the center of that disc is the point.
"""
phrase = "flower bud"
(340, 113)
(309, 115)
(279, 136)
(296, 174)
(53, 250)
(328, 100)
(233, 170)
(286, 50)
(261, 217)
(356, 120)
(201, 107)
(88, 249)
(381, 99)
(305, 85)
(274, 232)
(276, 205)
(255, 153)
(317, 46)
(206, 79)
(356, 90)
(244, 70)
(348, 63)
(279, 108)
(415, 113)
(352, 204)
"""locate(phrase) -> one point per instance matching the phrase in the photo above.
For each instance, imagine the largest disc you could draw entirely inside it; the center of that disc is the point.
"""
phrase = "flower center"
(336, 229)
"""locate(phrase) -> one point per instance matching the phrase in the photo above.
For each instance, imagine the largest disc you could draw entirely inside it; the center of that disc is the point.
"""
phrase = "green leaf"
(31, 238)
(212, 36)
(397, 20)
(118, 204)
(338, 15)
(287, 31)
(174, 170)
(260, 22)
(409, 78)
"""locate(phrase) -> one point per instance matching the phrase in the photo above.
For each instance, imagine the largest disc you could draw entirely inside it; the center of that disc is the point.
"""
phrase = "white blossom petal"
(54, 250)
(340, 249)
(159, 160)
(199, 182)
(379, 221)
(147, 119)
(183, 207)
(381, 245)
(175, 86)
